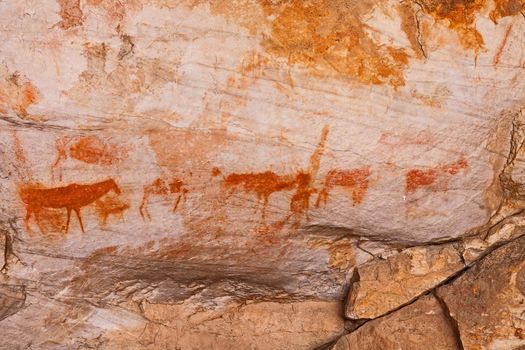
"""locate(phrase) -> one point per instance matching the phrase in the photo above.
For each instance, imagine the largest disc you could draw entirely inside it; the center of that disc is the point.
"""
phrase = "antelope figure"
(71, 197)
(435, 178)
(110, 206)
(159, 187)
(354, 179)
(262, 184)
(265, 183)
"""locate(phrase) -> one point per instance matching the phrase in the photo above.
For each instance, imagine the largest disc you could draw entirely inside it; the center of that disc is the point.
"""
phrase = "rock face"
(421, 325)
(494, 290)
(385, 285)
(230, 174)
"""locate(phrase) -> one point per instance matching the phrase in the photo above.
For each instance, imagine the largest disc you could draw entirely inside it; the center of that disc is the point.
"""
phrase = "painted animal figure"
(434, 178)
(108, 207)
(265, 183)
(71, 197)
(87, 149)
(262, 184)
(159, 187)
(354, 179)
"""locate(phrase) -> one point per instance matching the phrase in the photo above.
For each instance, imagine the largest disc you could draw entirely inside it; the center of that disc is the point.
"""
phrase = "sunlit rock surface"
(215, 174)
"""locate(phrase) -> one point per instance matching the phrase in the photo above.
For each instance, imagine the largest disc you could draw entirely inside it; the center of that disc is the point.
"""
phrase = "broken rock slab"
(488, 301)
(385, 285)
(421, 325)
(12, 299)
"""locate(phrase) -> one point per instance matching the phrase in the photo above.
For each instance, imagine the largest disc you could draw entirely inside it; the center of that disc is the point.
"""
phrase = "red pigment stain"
(87, 149)
(354, 179)
(159, 187)
(71, 197)
(71, 14)
(420, 178)
(215, 172)
(18, 94)
(93, 150)
(405, 139)
(497, 56)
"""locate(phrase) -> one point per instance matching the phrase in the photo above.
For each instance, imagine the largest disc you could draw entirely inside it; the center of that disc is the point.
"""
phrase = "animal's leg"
(26, 220)
(322, 196)
(68, 218)
(105, 219)
(177, 203)
(77, 211)
(143, 210)
(265, 205)
(307, 207)
(38, 223)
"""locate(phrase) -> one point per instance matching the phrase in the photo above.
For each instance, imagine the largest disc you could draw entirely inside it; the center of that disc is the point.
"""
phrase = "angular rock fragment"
(421, 325)
(384, 285)
(12, 299)
(488, 300)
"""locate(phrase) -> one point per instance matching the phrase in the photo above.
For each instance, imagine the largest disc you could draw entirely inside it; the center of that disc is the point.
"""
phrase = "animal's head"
(176, 186)
(114, 186)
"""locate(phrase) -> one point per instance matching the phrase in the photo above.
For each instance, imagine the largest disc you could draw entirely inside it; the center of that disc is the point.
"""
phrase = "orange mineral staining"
(71, 14)
(504, 8)
(428, 178)
(17, 93)
(159, 187)
(331, 36)
(355, 180)
(460, 17)
(71, 197)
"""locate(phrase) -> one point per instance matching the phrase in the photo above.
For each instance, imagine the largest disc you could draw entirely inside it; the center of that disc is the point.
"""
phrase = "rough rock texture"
(385, 285)
(181, 174)
(421, 325)
(494, 290)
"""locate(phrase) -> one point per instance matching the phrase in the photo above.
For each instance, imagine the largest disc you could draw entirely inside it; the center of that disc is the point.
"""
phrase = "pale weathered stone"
(421, 325)
(12, 299)
(488, 300)
(215, 153)
(385, 285)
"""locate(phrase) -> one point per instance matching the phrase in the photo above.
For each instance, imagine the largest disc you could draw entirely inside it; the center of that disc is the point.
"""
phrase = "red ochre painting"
(44, 203)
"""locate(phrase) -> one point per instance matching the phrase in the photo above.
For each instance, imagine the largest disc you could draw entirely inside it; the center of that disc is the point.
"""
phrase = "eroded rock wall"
(261, 174)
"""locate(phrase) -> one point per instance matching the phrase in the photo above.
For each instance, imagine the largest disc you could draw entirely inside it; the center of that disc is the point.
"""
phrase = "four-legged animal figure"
(71, 197)
(159, 187)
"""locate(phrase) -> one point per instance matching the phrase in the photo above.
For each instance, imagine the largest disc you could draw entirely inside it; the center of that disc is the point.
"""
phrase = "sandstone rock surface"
(216, 173)
(385, 285)
(421, 325)
(494, 291)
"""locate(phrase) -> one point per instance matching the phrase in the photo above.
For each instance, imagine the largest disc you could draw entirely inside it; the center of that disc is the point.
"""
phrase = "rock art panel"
(236, 163)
